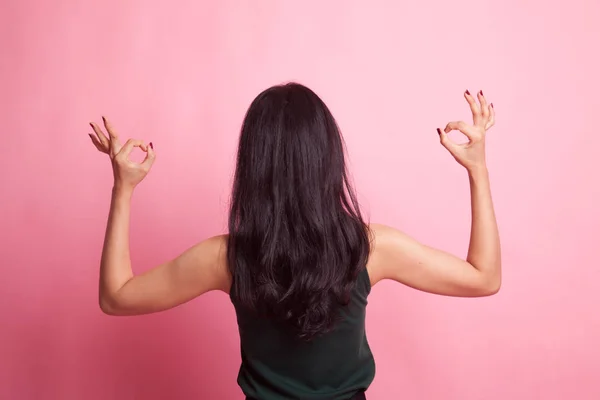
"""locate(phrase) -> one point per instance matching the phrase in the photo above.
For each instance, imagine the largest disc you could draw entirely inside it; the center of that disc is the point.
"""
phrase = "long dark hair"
(297, 239)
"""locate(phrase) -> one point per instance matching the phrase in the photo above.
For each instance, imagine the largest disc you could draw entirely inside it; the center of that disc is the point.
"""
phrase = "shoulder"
(387, 246)
(383, 237)
(378, 234)
(211, 253)
(381, 230)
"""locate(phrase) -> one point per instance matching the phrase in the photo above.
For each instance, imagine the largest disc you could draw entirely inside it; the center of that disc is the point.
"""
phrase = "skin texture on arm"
(198, 270)
(399, 257)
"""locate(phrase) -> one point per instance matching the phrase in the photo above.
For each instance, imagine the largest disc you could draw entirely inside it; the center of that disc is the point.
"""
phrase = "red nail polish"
(481, 92)
(439, 131)
(492, 104)
(467, 92)
(151, 146)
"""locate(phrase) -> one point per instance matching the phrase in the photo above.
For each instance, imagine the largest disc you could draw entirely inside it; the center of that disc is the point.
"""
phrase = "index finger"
(129, 145)
(461, 126)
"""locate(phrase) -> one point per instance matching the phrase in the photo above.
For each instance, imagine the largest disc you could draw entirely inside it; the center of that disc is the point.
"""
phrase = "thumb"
(150, 157)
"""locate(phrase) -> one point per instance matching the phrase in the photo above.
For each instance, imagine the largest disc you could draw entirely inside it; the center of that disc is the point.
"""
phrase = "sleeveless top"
(333, 366)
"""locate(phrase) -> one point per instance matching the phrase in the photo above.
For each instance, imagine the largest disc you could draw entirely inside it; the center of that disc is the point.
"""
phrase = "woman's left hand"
(127, 173)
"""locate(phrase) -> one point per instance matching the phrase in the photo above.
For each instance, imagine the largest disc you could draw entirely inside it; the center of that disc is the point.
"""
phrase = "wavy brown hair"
(297, 239)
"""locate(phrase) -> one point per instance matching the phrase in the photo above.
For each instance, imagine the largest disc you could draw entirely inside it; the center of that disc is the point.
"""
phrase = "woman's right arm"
(399, 257)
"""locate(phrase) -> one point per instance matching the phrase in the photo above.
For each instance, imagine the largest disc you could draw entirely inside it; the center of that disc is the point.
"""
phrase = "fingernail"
(151, 146)
(467, 92)
(492, 104)
(439, 131)
(481, 92)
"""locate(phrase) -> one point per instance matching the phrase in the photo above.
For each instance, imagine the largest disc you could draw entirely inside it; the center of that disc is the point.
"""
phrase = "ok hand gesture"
(127, 173)
(471, 155)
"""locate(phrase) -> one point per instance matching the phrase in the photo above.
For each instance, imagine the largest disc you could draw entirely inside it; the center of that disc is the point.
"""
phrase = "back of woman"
(297, 252)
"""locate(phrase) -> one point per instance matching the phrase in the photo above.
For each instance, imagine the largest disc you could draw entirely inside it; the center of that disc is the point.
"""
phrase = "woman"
(299, 260)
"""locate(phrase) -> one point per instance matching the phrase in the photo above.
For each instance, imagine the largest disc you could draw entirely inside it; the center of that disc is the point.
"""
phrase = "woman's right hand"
(127, 173)
(471, 154)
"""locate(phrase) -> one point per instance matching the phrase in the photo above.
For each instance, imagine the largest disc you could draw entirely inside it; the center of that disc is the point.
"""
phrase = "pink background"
(182, 73)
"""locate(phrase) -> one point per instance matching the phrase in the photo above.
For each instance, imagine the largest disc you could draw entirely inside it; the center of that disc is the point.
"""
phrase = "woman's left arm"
(200, 269)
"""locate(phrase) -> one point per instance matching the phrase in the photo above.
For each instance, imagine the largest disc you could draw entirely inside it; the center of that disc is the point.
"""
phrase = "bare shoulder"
(393, 252)
(220, 245)
(211, 254)
(381, 230)
(383, 238)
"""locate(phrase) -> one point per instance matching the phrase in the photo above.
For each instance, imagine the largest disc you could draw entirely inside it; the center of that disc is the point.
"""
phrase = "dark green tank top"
(333, 366)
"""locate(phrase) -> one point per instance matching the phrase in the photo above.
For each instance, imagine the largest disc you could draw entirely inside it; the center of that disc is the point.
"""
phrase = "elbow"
(108, 305)
(493, 288)
(106, 308)
(492, 285)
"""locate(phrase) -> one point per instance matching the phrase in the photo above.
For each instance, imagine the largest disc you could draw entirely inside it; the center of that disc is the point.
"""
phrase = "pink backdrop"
(182, 73)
